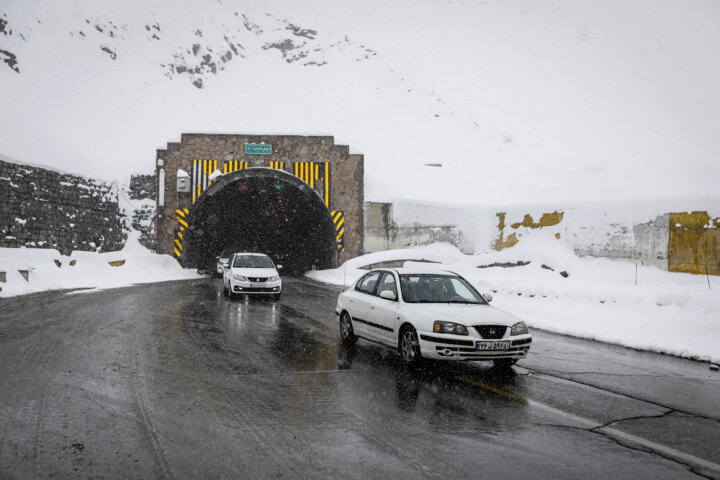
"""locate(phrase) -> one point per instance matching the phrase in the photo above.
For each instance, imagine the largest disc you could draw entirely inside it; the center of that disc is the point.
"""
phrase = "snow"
(519, 101)
(86, 270)
(666, 312)
(214, 175)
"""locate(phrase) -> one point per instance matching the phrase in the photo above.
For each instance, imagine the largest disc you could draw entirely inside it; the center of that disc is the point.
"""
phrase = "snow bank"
(48, 270)
(545, 283)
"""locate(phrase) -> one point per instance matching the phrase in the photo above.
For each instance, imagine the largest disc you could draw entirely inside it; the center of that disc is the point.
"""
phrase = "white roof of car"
(415, 270)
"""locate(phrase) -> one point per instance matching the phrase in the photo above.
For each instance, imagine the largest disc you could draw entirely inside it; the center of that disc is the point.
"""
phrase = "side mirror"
(387, 294)
(279, 267)
(488, 297)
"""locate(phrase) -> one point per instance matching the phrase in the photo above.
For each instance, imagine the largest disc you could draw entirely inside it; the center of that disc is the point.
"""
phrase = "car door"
(383, 311)
(358, 304)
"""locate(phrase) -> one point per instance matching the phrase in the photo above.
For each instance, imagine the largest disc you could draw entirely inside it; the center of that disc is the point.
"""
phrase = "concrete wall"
(647, 232)
(694, 244)
(391, 226)
(47, 209)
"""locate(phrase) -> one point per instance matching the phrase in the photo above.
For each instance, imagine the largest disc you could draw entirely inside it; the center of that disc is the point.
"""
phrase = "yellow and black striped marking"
(202, 169)
(338, 218)
(315, 174)
(182, 217)
(234, 165)
(277, 165)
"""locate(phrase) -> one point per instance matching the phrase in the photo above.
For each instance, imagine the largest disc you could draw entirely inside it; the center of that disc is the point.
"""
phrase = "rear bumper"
(438, 348)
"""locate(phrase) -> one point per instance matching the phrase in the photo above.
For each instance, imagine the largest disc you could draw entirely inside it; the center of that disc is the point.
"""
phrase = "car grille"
(491, 331)
(257, 279)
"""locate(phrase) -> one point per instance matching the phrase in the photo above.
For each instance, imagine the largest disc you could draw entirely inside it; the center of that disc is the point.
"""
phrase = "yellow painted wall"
(509, 239)
(693, 243)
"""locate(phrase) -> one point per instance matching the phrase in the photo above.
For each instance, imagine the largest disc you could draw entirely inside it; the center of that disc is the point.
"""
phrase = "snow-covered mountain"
(518, 101)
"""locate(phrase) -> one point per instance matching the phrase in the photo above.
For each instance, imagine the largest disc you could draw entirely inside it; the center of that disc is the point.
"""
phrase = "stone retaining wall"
(46, 209)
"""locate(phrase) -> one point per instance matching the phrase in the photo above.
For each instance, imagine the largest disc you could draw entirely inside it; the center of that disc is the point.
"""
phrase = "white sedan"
(253, 273)
(430, 314)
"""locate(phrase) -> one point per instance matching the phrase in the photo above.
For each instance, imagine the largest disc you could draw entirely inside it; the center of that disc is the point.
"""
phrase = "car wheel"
(276, 296)
(505, 362)
(347, 334)
(226, 291)
(410, 346)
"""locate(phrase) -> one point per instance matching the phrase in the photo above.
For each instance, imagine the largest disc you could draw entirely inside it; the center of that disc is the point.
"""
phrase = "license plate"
(492, 345)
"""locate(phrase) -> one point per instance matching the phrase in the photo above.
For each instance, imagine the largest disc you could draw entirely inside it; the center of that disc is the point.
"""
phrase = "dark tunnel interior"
(266, 213)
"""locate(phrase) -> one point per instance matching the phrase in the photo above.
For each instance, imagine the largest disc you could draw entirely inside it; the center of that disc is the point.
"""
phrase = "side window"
(388, 283)
(368, 282)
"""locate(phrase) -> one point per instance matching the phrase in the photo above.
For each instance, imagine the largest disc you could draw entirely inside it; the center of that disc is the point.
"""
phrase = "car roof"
(250, 254)
(418, 271)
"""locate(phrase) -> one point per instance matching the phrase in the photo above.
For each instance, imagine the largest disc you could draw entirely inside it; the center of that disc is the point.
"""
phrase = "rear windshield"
(253, 261)
(432, 288)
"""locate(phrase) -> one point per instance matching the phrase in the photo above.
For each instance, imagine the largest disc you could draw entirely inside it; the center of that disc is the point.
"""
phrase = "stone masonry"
(346, 175)
(46, 209)
(142, 191)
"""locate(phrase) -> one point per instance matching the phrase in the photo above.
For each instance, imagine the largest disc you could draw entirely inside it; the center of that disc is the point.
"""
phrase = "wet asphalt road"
(175, 381)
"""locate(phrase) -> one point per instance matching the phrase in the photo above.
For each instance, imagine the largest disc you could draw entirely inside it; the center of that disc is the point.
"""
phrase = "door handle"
(372, 307)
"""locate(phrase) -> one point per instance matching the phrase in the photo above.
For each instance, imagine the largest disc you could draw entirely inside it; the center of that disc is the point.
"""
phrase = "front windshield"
(253, 261)
(438, 288)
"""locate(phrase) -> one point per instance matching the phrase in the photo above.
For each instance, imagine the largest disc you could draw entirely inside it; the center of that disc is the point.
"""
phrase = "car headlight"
(449, 327)
(519, 328)
(274, 279)
(240, 277)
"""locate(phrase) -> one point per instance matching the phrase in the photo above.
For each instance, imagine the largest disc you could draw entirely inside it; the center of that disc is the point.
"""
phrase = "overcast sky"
(519, 100)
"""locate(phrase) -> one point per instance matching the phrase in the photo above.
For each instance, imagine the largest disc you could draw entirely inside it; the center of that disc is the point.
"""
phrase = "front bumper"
(455, 347)
(266, 288)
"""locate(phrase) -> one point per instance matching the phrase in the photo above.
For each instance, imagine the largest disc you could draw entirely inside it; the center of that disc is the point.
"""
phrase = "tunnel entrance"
(261, 210)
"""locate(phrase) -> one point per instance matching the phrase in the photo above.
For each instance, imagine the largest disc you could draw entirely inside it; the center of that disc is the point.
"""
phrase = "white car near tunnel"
(430, 314)
(252, 273)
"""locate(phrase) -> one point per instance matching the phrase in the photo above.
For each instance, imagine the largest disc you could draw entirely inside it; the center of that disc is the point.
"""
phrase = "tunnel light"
(161, 187)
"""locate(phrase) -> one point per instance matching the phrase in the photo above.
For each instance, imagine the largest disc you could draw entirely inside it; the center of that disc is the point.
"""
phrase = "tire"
(226, 291)
(505, 362)
(276, 296)
(410, 346)
(347, 334)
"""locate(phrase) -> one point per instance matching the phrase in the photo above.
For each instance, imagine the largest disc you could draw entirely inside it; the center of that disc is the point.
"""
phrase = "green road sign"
(258, 149)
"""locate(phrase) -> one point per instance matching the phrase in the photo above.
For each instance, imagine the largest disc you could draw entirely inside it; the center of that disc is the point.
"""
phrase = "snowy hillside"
(519, 101)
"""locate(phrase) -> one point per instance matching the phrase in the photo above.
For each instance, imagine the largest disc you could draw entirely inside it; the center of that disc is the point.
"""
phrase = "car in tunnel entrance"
(251, 273)
(430, 314)
(223, 259)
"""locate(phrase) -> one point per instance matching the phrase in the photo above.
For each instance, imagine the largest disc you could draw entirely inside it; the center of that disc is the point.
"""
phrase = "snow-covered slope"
(519, 101)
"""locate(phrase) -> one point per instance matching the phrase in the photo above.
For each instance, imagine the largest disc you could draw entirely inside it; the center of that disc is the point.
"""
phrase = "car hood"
(462, 313)
(254, 272)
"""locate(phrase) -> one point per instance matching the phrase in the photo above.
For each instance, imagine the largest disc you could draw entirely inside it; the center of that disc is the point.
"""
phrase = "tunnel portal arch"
(261, 210)
(196, 202)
